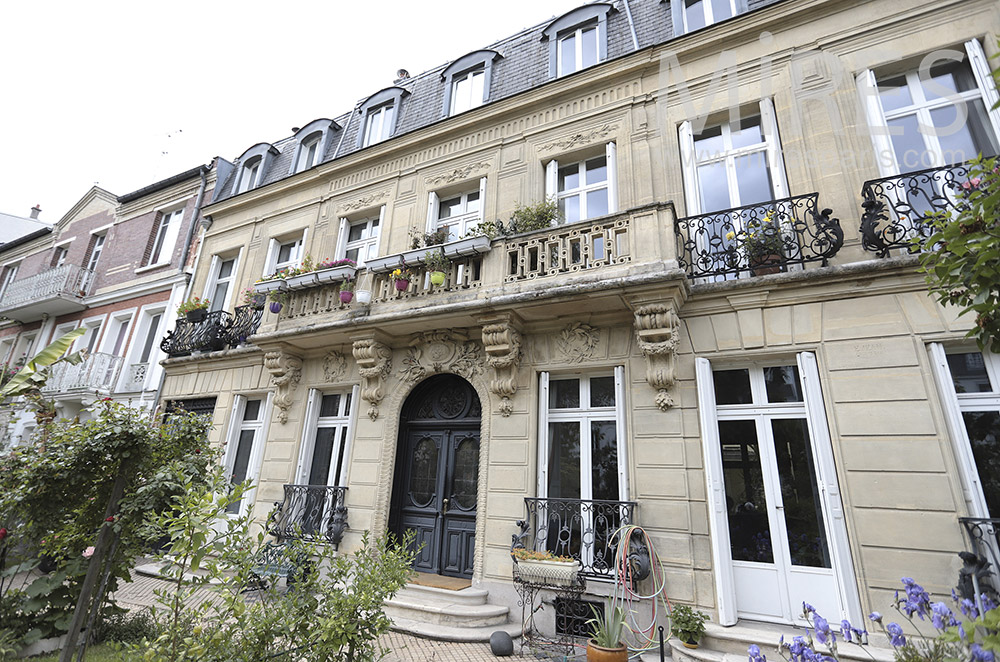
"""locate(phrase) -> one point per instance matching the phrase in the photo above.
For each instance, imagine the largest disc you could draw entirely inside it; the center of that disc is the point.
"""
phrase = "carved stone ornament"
(286, 371)
(578, 341)
(367, 201)
(433, 352)
(656, 328)
(502, 343)
(334, 367)
(580, 139)
(458, 174)
(374, 361)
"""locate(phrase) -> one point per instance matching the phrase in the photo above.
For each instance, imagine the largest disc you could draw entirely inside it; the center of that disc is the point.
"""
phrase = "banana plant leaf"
(33, 374)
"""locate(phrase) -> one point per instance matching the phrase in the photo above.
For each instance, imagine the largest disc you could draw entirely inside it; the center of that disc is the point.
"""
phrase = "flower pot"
(688, 644)
(197, 315)
(275, 307)
(554, 573)
(766, 264)
(402, 284)
(364, 297)
(597, 653)
(437, 278)
(346, 296)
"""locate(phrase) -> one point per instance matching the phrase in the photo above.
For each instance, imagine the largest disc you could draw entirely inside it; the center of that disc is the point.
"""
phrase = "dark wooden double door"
(437, 475)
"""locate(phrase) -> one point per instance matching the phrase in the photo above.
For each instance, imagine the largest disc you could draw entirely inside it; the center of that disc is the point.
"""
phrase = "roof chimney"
(401, 75)
(35, 211)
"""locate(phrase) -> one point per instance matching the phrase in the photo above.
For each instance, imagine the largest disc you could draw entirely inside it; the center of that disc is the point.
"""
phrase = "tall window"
(114, 342)
(309, 152)
(697, 14)
(244, 448)
(584, 189)
(283, 254)
(467, 90)
(325, 451)
(360, 239)
(222, 279)
(152, 334)
(166, 237)
(94, 251)
(250, 175)
(378, 124)
(59, 256)
(456, 213)
(9, 274)
(577, 49)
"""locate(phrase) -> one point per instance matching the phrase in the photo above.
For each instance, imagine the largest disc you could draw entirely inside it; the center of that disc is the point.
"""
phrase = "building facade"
(701, 346)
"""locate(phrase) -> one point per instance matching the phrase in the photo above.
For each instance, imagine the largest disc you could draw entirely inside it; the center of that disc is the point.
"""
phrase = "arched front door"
(436, 480)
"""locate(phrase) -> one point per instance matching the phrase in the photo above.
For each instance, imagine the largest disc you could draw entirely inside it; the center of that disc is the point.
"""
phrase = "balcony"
(96, 373)
(57, 291)
(981, 573)
(218, 330)
(310, 512)
(896, 208)
(756, 240)
(581, 529)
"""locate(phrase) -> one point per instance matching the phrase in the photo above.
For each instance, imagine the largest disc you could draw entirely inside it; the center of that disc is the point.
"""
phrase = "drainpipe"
(631, 24)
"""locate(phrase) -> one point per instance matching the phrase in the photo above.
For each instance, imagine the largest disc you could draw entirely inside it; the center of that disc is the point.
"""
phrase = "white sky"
(125, 93)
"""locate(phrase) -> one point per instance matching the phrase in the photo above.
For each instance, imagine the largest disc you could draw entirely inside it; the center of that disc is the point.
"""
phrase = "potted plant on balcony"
(438, 265)
(401, 276)
(763, 245)
(688, 625)
(255, 300)
(346, 291)
(195, 309)
(606, 630)
(544, 567)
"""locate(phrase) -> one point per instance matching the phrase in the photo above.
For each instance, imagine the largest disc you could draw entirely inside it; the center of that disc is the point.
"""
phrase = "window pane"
(753, 178)
(953, 77)
(803, 511)
(450, 207)
(908, 144)
(694, 14)
(970, 138)
(746, 505)
(285, 253)
(709, 143)
(597, 203)
(732, 387)
(567, 55)
(473, 203)
(721, 10)
(602, 391)
(894, 93)
(604, 458)
(969, 373)
(782, 384)
(252, 411)
(564, 394)
(748, 133)
(241, 463)
(589, 46)
(462, 95)
(983, 428)
(478, 80)
(319, 470)
(226, 268)
(338, 475)
(351, 254)
(564, 460)
(330, 405)
(219, 296)
(713, 187)
(465, 482)
(597, 170)
(570, 208)
(569, 177)
(356, 231)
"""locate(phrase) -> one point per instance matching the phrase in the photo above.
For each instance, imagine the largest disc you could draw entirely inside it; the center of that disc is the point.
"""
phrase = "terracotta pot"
(402, 284)
(437, 278)
(197, 315)
(275, 307)
(766, 264)
(597, 653)
(689, 645)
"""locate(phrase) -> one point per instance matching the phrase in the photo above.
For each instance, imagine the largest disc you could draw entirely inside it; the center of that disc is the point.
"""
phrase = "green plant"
(606, 629)
(401, 272)
(194, 303)
(420, 239)
(436, 260)
(540, 215)
(759, 242)
(687, 624)
(128, 626)
(346, 285)
(523, 554)
(32, 375)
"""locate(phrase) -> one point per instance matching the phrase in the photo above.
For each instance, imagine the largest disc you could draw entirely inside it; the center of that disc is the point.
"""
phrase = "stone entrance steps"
(435, 613)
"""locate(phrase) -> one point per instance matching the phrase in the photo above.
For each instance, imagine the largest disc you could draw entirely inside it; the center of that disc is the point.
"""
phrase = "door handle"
(445, 508)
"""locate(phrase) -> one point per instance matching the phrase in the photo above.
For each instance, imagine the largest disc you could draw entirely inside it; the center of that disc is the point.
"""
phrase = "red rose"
(109, 519)
(3, 533)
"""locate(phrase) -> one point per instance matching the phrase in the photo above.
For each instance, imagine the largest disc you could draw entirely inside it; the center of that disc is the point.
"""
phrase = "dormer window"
(578, 39)
(312, 141)
(309, 153)
(467, 91)
(691, 15)
(250, 175)
(467, 81)
(378, 116)
(254, 164)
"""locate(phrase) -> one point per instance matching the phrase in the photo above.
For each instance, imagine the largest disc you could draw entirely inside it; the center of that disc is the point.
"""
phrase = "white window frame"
(473, 100)
(611, 183)
(250, 174)
(91, 338)
(167, 232)
(133, 356)
(214, 279)
(347, 420)
(707, 14)
(305, 159)
(60, 256)
(366, 242)
(885, 154)
(260, 427)
(577, 33)
(462, 222)
(117, 322)
(25, 346)
(379, 123)
(272, 265)
(96, 250)
(9, 276)
(7, 349)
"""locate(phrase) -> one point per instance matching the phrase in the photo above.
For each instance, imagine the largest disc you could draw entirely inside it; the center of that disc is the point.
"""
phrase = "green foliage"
(33, 374)
(194, 303)
(687, 624)
(606, 629)
(436, 260)
(420, 239)
(128, 626)
(526, 218)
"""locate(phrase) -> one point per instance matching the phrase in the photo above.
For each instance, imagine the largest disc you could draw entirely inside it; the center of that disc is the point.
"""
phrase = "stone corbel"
(374, 359)
(286, 371)
(656, 329)
(502, 342)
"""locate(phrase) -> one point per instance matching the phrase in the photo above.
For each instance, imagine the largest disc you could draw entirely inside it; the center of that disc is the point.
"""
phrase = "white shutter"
(302, 246)
(381, 231)
(352, 417)
(233, 433)
(718, 517)
(341, 249)
(433, 205)
(833, 509)
(543, 434)
(971, 484)
(308, 436)
(689, 170)
(885, 156)
(611, 154)
(213, 277)
(272, 255)
(981, 69)
(482, 199)
(552, 179)
(769, 124)
(621, 432)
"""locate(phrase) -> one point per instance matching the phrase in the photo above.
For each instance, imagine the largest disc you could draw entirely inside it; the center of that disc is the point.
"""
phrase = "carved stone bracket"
(656, 329)
(286, 371)
(374, 359)
(502, 342)
(433, 352)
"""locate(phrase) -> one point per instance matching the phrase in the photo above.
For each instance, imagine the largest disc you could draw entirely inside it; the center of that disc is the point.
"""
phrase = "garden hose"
(646, 634)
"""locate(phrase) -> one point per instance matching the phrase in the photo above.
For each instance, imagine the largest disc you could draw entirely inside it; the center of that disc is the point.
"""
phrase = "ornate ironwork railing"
(67, 280)
(581, 529)
(97, 372)
(981, 573)
(311, 512)
(135, 376)
(568, 248)
(246, 321)
(896, 208)
(758, 239)
(208, 335)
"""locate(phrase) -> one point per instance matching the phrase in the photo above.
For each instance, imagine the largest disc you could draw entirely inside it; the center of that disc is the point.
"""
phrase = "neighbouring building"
(114, 265)
(699, 347)
(14, 227)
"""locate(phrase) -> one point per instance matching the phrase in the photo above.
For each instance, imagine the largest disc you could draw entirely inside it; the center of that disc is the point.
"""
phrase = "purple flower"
(968, 608)
(755, 655)
(941, 616)
(896, 637)
(917, 600)
(823, 631)
(988, 603)
(980, 654)
(961, 631)
(846, 629)
(807, 608)
(875, 617)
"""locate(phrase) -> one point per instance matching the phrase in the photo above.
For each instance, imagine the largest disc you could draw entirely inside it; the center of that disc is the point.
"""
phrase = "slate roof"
(13, 227)
(524, 65)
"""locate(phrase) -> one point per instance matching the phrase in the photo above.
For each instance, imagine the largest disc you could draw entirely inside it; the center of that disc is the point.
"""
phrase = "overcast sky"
(125, 93)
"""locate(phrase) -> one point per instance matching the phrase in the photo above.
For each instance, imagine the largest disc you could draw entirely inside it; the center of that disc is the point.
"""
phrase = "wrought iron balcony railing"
(896, 208)
(68, 280)
(213, 333)
(311, 512)
(981, 573)
(758, 239)
(97, 372)
(581, 529)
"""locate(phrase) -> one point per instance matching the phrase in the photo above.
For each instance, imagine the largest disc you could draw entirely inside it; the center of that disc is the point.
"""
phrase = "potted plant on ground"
(346, 291)
(437, 264)
(195, 309)
(688, 625)
(543, 567)
(401, 276)
(606, 630)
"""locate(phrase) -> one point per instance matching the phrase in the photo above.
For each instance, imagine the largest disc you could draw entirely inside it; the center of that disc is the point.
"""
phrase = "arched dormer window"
(379, 113)
(311, 144)
(467, 81)
(253, 166)
(578, 39)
